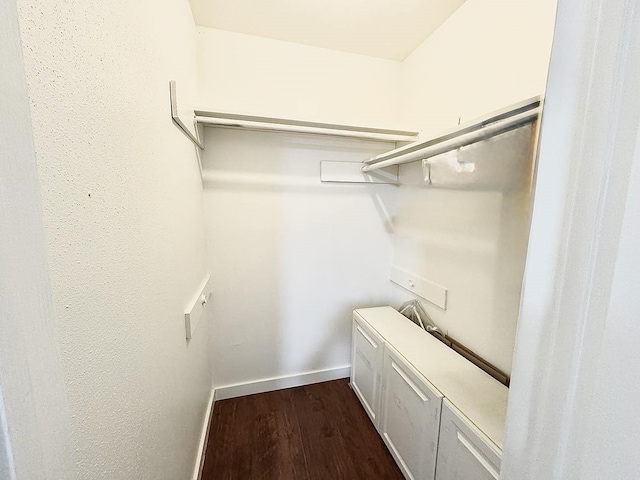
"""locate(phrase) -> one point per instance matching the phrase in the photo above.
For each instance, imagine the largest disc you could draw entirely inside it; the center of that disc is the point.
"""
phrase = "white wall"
(34, 414)
(290, 257)
(252, 75)
(572, 411)
(122, 207)
(488, 55)
(472, 241)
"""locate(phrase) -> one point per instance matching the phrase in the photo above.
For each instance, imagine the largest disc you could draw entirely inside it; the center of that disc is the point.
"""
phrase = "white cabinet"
(440, 416)
(410, 417)
(366, 364)
(464, 452)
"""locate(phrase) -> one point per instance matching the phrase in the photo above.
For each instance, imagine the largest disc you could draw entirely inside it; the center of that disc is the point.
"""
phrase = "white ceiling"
(389, 29)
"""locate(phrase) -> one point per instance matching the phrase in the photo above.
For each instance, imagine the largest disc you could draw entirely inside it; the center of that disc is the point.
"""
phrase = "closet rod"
(292, 126)
(466, 135)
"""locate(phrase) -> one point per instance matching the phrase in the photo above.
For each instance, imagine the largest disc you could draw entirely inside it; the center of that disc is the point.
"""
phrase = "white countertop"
(480, 397)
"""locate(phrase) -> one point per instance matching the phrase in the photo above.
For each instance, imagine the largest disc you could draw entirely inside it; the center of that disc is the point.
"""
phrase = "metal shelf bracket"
(179, 123)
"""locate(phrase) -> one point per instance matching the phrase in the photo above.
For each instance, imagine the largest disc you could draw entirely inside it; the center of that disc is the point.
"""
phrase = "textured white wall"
(252, 75)
(290, 257)
(573, 402)
(34, 415)
(488, 55)
(122, 202)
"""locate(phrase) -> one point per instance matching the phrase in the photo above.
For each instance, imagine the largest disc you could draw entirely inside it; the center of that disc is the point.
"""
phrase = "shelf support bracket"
(176, 118)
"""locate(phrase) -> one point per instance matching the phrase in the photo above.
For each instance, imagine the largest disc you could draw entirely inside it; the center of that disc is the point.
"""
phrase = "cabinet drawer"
(410, 417)
(365, 367)
(464, 451)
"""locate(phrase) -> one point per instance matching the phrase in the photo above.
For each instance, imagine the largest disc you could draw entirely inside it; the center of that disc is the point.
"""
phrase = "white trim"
(204, 437)
(570, 392)
(7, 465)
(279, 383)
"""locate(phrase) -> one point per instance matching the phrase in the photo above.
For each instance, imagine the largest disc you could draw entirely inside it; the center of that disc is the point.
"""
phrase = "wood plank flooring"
(315, 432)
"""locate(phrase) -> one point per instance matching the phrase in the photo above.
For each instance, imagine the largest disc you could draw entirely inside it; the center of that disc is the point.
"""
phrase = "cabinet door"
(410, 417)
(464, 452)
(366, 358)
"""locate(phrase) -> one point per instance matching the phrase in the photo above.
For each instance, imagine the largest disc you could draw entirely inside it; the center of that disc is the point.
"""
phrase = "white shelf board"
(251, 122)
(195, 309)
(476, 130)
(422, 287)
(351, 172)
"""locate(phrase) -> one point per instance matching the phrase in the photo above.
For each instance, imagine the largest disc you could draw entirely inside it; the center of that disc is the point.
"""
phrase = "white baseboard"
(204, 436)
(278, 383)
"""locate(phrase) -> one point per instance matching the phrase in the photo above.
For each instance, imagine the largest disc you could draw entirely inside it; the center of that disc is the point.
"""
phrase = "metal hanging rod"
(228, 120)
(478, 130)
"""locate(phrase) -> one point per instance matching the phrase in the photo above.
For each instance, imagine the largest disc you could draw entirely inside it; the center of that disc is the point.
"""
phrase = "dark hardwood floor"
(313, 432)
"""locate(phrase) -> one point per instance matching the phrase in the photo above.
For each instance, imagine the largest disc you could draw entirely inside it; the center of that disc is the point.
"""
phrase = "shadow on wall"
(290, 256)
(468, 232)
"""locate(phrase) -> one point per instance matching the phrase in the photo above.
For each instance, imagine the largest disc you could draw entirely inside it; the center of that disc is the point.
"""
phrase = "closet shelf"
(480, 129)
(249, 122)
